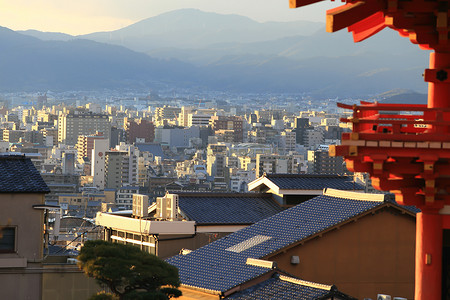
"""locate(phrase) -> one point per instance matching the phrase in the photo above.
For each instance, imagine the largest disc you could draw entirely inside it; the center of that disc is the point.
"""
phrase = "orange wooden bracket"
(299, 3)
(349, 14)
(367, 27)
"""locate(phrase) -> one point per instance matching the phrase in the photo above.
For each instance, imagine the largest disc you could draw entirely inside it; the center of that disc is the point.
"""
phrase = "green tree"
(129, 272)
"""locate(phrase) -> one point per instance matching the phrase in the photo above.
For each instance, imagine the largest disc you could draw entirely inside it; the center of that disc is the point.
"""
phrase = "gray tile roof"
(313, 182)
(286, 288)
(221, 265)
(225, 208)
(19, 175)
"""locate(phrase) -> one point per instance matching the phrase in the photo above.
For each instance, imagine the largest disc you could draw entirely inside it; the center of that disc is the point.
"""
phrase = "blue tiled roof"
(313, 182)
(276, 288)
(19, 175)
(221, 208)
(220, 265)
(154, 149)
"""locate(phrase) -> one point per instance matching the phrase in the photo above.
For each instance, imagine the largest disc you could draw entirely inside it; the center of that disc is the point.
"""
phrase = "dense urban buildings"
(200, 173)
(199, 145)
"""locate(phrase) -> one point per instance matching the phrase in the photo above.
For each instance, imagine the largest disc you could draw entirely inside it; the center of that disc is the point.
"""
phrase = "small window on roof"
(7, 239)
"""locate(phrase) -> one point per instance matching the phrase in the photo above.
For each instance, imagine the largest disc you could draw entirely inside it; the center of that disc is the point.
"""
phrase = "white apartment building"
(288, 140)
(274, 164)
(198, 120)
(98, 162)
(313, 137)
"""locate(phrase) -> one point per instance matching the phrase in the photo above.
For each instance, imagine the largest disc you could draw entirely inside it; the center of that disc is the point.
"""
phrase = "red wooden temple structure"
(406, 148)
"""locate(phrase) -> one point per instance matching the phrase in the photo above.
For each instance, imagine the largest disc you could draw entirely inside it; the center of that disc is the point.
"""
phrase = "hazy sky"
(85, 16)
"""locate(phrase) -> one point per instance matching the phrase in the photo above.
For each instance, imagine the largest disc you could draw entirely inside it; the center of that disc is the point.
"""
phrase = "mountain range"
(191, 48)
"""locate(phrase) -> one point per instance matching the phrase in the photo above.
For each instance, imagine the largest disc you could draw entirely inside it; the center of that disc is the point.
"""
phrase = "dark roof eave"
(223, 224)
(24, 192)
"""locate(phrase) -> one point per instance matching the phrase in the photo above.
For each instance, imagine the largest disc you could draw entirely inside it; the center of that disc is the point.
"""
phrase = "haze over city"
(82, 17)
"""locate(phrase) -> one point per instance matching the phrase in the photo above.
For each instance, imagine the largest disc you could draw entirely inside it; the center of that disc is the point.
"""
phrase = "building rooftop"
(285, 182)
(285, 287)
(226, 208)
(152, 148)
(19, 175)
(221, 265)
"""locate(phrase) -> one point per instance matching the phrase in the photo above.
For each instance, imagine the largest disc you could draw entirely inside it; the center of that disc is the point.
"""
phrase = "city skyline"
(84, 17)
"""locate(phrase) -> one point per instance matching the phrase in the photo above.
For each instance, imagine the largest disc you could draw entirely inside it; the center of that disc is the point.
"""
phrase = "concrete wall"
(373, 255)
(17, 210)
(66, 282)
(20, 285)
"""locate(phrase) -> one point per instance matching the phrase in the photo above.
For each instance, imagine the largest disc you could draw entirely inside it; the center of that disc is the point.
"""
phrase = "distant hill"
(192, 28)
(212, 51)
(28, 63)
(400, 96)
(47, 36)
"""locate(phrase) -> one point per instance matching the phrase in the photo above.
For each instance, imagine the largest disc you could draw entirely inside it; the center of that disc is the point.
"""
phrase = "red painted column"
(428, 256)
(439, 92)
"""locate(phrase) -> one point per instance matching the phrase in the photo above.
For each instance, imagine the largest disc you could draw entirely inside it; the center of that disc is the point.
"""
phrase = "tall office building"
(71, 125)
(301, 124)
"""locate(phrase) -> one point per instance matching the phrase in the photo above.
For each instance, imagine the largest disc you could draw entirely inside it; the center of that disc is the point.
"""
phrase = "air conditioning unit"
(384, 297)
(167, 207)
(72, 261)
(172, 206)
(161, 206)
(140, 205)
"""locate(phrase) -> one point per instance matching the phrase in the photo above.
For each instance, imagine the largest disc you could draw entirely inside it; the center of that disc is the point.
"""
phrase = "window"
(7, 239)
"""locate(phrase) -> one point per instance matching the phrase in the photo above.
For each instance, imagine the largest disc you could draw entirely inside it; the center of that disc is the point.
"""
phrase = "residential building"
(13, 136)
(288, 137)
(198, 120)
(164, 115)
(361, 243)
(124, 197)
(188, 220)
(100, 147)
(216, 160)
(183, 116)
(142, 129)
(120, 169)
(301, 124)
(233, 123)
(292, 189)
(85, 145)
(71, 126)
(22, 226)
(176, 137)
(274, 163)
(313, 137)
(319, 162)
